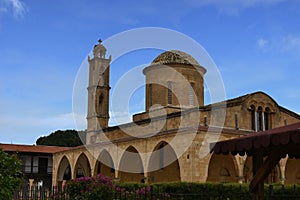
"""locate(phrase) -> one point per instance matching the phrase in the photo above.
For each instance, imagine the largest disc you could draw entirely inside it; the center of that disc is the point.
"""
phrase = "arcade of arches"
(163, 166)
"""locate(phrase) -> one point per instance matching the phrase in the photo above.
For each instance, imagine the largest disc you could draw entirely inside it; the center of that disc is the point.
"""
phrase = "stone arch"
(64, 171)
(292, 171)
(163, 164)
(131, 166)
(82, 166)
(105, 165)
(222, 168)
(274, 176)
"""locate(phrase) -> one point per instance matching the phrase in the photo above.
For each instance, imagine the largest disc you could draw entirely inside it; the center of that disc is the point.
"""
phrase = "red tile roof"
(31, 148)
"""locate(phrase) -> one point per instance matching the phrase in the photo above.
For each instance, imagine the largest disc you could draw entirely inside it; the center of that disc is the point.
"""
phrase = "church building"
(170, 140)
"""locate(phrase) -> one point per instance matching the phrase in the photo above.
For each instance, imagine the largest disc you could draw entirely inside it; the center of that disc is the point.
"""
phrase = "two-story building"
(37, 162)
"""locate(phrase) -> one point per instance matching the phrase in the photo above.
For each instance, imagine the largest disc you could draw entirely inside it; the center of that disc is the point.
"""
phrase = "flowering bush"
(90, 188)
(102, 187)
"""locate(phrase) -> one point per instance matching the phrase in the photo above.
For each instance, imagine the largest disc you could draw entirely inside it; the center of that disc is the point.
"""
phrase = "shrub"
(90, 188)
(10, 175)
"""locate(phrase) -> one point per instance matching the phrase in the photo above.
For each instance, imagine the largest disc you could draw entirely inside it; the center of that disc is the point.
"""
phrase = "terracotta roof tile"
(32, 148)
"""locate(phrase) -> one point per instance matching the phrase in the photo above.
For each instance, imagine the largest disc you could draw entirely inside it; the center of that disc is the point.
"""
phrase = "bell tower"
(98, 90)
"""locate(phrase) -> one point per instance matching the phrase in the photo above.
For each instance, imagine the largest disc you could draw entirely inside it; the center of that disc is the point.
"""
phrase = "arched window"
(253, 123)
(267, 118)
(236, 116)
(169, 92)
(260, 119)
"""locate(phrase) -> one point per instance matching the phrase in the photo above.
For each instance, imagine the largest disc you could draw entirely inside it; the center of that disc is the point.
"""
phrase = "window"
(42, 165)
(236, 121)
(150, 94)
(267, 118)
(260, 119)
(191, 94)
(169, 92)
(253, 124)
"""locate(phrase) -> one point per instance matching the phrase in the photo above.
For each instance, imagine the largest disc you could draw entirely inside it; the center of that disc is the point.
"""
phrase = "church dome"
(175, 57)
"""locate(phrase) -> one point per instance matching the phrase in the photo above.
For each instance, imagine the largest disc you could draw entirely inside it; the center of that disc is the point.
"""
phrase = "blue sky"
(254, 43)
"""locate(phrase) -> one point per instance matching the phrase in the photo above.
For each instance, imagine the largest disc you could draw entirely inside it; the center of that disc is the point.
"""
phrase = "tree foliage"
(67, 138)
(10, 175)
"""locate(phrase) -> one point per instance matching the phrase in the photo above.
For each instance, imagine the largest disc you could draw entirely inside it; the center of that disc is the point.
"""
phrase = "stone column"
(263, 121)
(256, 124)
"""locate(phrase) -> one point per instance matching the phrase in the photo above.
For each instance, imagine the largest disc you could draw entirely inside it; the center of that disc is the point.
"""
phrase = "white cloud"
(17, 7)
(262, 43)
(288, 43)
(232, 7)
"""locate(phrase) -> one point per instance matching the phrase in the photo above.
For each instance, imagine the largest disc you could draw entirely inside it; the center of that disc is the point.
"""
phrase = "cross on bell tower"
(98, 90)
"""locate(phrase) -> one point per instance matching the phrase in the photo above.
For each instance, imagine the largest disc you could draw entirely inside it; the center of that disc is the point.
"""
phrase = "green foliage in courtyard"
(67, 138)
(10, 175)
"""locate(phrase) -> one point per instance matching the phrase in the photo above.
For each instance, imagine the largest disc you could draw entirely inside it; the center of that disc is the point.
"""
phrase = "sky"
(254, 43)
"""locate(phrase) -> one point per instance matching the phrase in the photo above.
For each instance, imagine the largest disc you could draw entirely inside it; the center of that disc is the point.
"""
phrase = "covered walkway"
(266, 149)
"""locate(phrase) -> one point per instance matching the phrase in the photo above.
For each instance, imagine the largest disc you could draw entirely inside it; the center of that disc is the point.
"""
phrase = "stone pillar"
(282, 165)
(116, 174)
(145, 180)
(30, 187)
(64, 184)
(256, 124)
(31, 182)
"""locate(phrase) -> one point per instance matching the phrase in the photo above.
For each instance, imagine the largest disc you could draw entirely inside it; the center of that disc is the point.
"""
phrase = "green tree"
(10, 175)
(67, 138)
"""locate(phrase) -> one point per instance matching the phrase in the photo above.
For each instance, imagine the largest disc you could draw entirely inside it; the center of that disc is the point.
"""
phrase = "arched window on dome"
(170, 92)
(253, 117)
(260, 120)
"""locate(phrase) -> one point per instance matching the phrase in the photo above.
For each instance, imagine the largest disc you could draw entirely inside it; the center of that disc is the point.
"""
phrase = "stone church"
(171, 139)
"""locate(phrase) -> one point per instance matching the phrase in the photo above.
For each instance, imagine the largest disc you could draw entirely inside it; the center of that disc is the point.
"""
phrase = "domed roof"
(175, 57)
